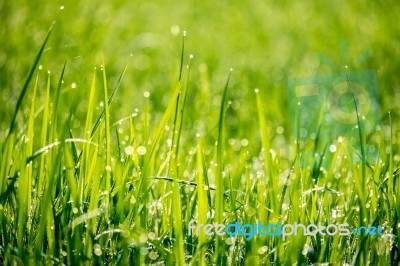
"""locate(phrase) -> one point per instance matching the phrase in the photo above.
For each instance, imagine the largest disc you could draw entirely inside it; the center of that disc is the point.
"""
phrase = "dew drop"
(230, 241)
(153, 255)
(129, 150)
(97, 250)
(141, 150)
(332, 148)
(244, 142)
(175, 30)
(151, 235)
(132, 200)
(143, 238)
(144, 251)
(262, 250)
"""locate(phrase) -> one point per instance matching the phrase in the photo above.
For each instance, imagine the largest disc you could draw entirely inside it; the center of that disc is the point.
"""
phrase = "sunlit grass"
(85, 180)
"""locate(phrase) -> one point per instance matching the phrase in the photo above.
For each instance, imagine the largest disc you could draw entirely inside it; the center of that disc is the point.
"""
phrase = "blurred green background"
(265, 42)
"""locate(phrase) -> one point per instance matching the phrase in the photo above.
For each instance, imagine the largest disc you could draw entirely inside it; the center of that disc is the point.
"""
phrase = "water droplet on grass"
(133, 200)
(332, 148)
(175, 30)
(244, 142)
(262, 250)
(151, 235)
(97, 250)
(141, 150)
(280, 130)
(153, 255)
(143, 238)
(144, 251)
(129, 150)
(230, 241)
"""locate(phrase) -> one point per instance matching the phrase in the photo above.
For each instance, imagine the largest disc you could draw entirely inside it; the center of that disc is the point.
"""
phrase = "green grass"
(106, 157)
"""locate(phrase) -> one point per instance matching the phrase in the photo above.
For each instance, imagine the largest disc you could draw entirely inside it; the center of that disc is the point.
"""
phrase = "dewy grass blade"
(27, 81)
(268, 164)
(56, 99)
(182, 55)
(391, 194)
(141, 190)
(108, 142)
(69, 154)
(219, 177)
(25, 180)
(202, 200)
(44, 133)
(109, 100)
(362, 186)
(174, 170)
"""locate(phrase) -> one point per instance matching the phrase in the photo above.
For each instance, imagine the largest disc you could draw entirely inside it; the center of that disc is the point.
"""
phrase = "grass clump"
(96, 173)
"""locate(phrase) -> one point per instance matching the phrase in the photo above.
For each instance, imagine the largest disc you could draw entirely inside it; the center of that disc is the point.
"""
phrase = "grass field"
(121, 122)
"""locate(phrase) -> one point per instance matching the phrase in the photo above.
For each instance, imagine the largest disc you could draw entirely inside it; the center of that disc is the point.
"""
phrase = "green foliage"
(108, 165)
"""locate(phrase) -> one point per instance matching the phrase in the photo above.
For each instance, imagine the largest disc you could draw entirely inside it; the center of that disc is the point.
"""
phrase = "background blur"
(265, 42)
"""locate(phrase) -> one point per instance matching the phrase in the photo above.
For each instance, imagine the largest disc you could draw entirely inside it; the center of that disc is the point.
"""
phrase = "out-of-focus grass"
(92, 177)
(264, 42)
